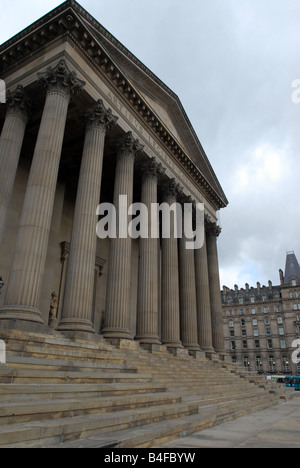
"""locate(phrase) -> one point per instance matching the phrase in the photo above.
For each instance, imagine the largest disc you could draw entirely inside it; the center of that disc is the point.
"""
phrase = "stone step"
(37, 434)
(57, 364)
(158, 433)
(46, 376)
(23, 412)
(35, 392)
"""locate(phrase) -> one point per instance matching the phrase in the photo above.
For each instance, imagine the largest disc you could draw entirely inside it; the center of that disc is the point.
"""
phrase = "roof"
(156, 103)
(292, 268)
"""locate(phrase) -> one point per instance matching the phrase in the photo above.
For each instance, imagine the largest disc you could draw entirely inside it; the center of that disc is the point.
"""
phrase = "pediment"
(156, 103)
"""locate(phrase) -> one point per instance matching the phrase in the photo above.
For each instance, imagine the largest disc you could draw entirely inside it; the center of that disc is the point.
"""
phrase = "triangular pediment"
(165, 108)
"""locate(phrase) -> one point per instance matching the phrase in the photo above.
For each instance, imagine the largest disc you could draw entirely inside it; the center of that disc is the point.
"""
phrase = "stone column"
(203, 300)
(10, 147)
(117, 319)
(215, 292)
(147, 311)
(78, 300)
(170, 306)
(188, 303)
(24, 286)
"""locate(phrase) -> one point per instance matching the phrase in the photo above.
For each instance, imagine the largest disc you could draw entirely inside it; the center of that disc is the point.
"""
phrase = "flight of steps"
(57, 392)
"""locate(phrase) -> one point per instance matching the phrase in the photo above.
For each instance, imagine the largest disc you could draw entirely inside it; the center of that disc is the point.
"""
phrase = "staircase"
(57, 392)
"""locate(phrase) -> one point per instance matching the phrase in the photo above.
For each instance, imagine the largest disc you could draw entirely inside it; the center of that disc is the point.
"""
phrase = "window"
(245, 345)
(230, 313)
(254, 322)
(282, 344)
(246, 362)
(285, 364)
(231, 324)
(266, 310)
(241, 300)
(268, 331)
(244, 334)
(281, 331)
(252, 299)
(232, 334)
(243, 323)
(259, 364)
(279, 321)
(267, 321)
(294, 282)
(264, 298)
(255, 333)
(242, 312)
(257, 344)
(272, 364)
(233, 346)
(296, 306)
(270, 344)
(278, 309)
(298, 318)
(253, 311)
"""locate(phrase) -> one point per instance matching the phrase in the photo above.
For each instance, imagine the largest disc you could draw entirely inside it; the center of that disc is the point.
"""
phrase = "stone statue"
(53, 309)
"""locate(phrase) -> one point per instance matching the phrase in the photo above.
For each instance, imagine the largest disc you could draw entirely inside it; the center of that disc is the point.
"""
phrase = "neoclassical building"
(85, 122)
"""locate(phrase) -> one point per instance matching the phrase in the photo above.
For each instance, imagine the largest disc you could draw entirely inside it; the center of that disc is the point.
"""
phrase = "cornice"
(65, 21)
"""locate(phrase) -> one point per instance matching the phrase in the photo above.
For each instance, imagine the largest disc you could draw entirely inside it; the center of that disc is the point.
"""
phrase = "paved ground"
(277, 427)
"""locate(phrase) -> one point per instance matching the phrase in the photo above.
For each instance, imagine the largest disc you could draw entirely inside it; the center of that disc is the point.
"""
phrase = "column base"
(75, 325)
(20, 313)
(148, 339)
(117, 333)
(191, 347)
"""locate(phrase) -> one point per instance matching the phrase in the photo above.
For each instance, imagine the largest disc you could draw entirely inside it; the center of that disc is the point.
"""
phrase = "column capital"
(128, 145)
(213, 230)
(61, 79)
(18, 102)
(152, 169)
(172, 188)
(99, 116)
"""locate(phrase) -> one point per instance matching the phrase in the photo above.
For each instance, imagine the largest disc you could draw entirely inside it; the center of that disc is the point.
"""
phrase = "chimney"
(258, 287)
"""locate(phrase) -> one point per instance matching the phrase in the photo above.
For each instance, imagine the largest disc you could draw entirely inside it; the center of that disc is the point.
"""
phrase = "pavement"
(276, 427)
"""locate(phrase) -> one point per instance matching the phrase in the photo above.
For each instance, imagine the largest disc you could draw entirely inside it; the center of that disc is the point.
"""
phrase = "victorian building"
(262, 323)
(85, 122)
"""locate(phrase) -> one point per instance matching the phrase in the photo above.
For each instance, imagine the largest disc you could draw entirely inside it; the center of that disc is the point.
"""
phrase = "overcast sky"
(232, 64)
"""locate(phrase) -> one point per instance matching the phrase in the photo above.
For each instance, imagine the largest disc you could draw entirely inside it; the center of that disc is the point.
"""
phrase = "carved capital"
(128, 145)
(213, 230)
(18, 102)
(62, 79)
(99, 116)
(152, 168)
(171, 188)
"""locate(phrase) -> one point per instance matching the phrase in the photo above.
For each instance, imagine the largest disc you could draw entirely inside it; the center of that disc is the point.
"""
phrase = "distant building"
(261, 324)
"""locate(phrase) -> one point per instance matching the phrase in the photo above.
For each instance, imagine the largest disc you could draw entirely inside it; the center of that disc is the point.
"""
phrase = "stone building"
(262, 323)
(85, 121)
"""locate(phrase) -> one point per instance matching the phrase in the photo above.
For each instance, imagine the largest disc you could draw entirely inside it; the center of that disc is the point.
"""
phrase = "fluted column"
(213, 232)
(24, 286)
(78, 300)
(10, 147)
(170, 304)
(147, 310)
(203, 300)
(188, 304)
(117, 318)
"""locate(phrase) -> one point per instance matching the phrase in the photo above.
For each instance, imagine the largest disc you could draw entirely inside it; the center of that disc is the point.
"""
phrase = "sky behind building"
(232, 63)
